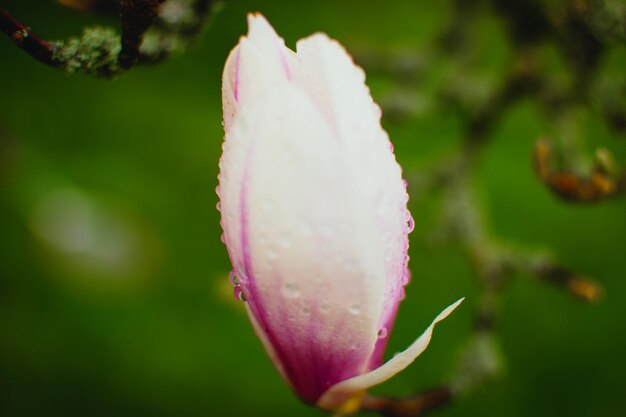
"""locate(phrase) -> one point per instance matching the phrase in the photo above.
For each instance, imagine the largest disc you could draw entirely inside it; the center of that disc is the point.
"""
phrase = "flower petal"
(344, 390)
(259, 61)
(302, 240)
(230, 85)
(338, 86)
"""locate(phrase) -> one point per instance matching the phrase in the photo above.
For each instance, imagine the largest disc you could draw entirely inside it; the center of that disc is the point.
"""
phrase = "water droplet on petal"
(356, 346)
(272, 254)
(355, 309)
(223, 238)
(239, 294)
(410, 223)
(324, 308)
(405, 183)
(382, 333)
(290, 291)
(232, 278)
(306, 311)
(218, 206)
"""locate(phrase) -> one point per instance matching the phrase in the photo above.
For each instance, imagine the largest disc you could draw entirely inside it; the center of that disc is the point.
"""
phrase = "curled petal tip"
(339, 393)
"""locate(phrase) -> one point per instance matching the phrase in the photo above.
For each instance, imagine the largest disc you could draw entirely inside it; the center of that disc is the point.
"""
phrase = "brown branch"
(413, 406)
(600, 184)
(136, 17)
(569, 281)
(26, 39)
(146, 36)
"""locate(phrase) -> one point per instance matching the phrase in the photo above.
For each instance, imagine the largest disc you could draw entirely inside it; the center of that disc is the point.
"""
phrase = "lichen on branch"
(150, 31)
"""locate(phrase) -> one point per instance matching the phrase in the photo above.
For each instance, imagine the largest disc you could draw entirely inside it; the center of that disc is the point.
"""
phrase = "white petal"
(259, 61)
(342, 391)
(338, 86)
(229, 87)
(318, 276)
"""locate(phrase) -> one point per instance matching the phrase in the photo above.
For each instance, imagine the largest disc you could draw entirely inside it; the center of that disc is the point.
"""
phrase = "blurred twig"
(136, 17)
(150, 31)
(602, 183)
(409, 406)
(529, 25)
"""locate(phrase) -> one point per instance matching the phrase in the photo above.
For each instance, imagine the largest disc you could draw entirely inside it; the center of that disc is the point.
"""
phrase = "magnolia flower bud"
(314, 214)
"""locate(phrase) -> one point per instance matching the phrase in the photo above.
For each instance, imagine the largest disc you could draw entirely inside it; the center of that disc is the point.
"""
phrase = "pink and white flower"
(314, 214)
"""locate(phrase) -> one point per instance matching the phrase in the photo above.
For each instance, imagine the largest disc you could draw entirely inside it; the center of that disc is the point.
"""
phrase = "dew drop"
(355, 310)
(290, 291)
(405, 183)
(218, 206)
(382, 333)
(306, 311)
(232, 278)
(239, 294)
(324, 308)
(223, 238)
(285, 243)
(272, 254)
(410, 223)
(356, 346)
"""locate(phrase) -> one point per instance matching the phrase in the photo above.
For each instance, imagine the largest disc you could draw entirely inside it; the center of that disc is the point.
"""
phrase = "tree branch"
(151, 31)
(136, 17)
(412, 406)
(601, 184)
(27, 40)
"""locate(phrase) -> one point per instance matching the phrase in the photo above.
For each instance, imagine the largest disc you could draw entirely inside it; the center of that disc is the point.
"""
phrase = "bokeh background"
(114, 298)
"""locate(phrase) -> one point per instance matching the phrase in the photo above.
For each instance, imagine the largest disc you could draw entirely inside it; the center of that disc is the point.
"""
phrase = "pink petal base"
(339, 393)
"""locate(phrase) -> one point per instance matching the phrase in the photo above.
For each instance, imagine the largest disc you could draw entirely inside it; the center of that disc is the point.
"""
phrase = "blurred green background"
(113, 292)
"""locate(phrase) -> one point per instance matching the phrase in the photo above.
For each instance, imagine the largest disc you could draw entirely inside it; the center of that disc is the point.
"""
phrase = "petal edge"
(336, 395)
